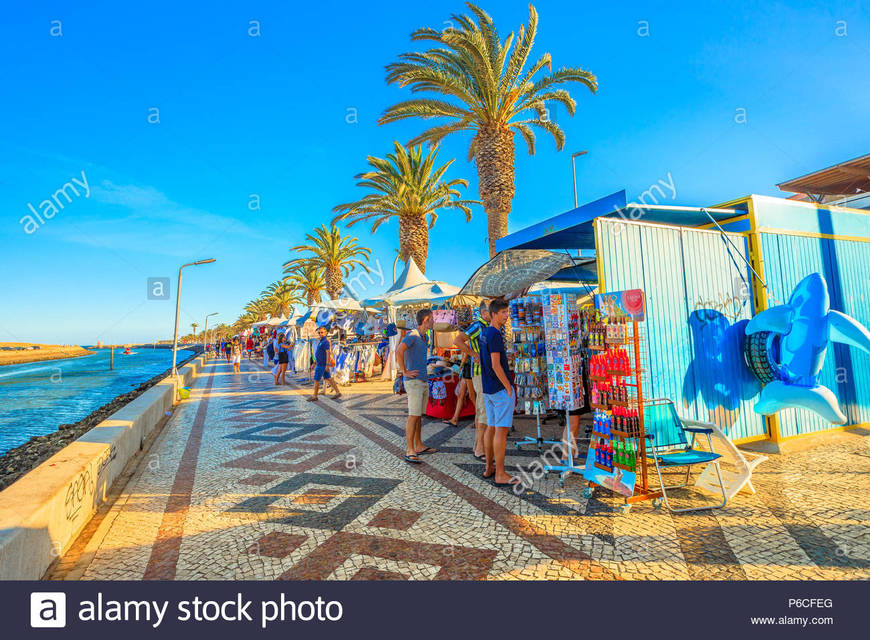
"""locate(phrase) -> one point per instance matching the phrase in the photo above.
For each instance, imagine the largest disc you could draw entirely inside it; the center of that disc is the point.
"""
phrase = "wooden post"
(111, 357)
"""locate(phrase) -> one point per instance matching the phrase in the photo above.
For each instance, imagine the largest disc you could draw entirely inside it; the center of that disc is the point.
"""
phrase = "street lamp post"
(205, 334)
(574, 172)
(177, 307)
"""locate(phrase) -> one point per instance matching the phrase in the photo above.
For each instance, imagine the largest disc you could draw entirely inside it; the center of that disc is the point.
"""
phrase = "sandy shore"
(45, 352)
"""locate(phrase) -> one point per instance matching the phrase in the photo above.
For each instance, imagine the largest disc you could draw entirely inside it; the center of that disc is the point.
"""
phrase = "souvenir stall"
(411, 292)
(550, 295)
(355, 348)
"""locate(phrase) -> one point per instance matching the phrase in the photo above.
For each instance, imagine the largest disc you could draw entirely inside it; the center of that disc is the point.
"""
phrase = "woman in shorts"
(283, 350)
(465, 389)
(236, 354)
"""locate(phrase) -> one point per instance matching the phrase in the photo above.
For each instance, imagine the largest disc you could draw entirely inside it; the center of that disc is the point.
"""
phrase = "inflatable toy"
(804, 327)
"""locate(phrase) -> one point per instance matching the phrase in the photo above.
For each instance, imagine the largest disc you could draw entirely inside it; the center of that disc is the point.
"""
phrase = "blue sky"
(268, 115)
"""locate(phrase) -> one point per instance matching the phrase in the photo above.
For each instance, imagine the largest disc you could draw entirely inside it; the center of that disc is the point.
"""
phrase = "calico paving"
(249, 481)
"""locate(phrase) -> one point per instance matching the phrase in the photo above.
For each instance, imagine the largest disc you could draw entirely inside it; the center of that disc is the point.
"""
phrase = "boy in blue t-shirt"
(498, 393)
(322, 356)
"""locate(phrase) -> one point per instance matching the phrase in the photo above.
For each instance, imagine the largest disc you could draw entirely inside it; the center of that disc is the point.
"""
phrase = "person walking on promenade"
(283, 360)
(468, 342)
(236, 352)
(323, 360)
(268, 353)
(249, 347)
(498, 393)
(411, 362)
(228, 350)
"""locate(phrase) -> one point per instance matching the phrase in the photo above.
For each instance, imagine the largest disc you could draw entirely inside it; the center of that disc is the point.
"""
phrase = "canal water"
(37, 397)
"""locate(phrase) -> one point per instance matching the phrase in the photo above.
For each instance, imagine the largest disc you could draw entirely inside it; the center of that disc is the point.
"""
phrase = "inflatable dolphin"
(805, 325)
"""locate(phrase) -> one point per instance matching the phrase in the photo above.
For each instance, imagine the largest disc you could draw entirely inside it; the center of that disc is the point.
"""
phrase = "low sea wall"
(43, 512)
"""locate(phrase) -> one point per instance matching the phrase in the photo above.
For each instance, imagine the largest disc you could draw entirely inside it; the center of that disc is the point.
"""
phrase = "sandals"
(427, 450)
(481, 457)
(413, 459)
(512, 483)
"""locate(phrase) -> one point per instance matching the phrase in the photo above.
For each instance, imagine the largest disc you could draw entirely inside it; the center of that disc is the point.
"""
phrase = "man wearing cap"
(322, 355)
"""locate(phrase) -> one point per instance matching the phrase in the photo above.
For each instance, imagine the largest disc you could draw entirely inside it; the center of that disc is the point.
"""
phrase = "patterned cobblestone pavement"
(250, 481)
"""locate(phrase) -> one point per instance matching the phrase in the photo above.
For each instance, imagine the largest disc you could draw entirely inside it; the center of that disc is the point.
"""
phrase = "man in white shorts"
(411, 362)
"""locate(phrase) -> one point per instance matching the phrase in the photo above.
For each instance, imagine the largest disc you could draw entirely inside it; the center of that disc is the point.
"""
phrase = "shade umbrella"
(431, 292)
(410, 276)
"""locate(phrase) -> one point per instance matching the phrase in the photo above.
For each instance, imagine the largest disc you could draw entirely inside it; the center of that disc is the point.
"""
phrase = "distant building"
(846, 184)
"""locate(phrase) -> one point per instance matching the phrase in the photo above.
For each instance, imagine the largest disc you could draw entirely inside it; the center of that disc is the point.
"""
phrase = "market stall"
(411, 292)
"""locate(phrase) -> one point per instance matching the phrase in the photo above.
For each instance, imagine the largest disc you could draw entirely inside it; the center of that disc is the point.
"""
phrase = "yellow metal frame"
(811, 234)
(847, 427)
(598, 262)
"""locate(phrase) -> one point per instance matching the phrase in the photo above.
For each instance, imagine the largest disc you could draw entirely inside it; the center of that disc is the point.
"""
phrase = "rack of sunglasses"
(529, 356)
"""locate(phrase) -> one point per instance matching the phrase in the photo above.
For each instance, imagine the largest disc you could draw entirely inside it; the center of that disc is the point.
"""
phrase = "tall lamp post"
(205, 333)
(177, 306)
(574, 156)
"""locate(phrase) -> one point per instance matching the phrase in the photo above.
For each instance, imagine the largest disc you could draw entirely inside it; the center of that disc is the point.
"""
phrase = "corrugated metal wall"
(845, 265)
(697, 304)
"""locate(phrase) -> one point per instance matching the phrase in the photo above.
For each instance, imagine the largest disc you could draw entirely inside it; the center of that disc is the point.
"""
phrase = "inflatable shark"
(805, 325)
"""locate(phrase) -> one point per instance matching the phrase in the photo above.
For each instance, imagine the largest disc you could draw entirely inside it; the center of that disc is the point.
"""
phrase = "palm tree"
(281, 296)
(491, 93)
(194, 326)
(309, 281)
(410, 187)
(334, 254)
(259, 308)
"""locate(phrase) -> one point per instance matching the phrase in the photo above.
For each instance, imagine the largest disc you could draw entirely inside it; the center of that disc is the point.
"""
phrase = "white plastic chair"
(736, 478)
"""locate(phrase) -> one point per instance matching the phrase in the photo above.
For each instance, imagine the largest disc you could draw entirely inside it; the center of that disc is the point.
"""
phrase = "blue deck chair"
(669, 447)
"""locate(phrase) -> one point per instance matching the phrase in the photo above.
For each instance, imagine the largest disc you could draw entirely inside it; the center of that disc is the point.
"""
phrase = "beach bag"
(445, 319)
(275, 370)
(399, 386)
(438, 391)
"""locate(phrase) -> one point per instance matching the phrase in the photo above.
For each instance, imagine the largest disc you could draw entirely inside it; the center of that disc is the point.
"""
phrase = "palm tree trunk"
(312, 297)
(495, 174)
(333, 282)
(414, 239)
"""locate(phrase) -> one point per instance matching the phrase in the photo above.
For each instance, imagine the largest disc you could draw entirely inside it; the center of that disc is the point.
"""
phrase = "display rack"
(530, 364)
(617, 366)
(564, 368)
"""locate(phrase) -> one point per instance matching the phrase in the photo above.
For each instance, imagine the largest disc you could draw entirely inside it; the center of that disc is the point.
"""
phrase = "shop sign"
(621, 305)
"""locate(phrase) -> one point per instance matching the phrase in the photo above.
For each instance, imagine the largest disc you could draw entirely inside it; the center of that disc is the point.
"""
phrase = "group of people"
(487, 366)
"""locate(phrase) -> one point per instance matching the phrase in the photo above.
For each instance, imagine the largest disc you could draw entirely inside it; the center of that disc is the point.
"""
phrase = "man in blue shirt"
(322, 357)
(498, 393)
(411, 362)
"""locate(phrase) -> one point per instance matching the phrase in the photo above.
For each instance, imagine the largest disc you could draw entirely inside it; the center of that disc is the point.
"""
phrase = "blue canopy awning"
(575, 229)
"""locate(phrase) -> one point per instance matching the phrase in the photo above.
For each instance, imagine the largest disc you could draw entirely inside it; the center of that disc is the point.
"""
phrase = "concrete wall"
(43, 512)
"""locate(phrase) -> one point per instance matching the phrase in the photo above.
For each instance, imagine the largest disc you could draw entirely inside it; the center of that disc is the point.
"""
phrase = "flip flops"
(427, 450)
(413, 459)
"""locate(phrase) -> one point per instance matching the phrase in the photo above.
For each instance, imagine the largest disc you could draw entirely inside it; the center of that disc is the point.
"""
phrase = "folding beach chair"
(669, 447)
(743, 463)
